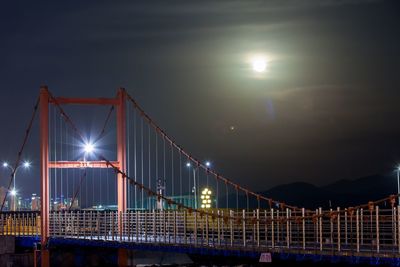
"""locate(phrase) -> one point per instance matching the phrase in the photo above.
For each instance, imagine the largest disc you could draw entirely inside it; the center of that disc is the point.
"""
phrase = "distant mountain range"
(343, 193)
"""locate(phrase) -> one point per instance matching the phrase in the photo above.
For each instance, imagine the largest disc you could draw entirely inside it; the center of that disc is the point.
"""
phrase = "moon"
(259, 64)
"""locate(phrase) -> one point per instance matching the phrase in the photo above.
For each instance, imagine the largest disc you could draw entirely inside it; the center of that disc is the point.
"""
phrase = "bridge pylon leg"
(44, 174)
(121, 155)
(45, 257)
(122, 257)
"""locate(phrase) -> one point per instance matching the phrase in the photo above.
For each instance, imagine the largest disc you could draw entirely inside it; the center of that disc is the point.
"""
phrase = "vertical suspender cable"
(227, 196)
(67, 158)
(156, 139)
(149, 146)
(217, 189)
(51, 154)
(78, 189)
(190, 187)
(100, 189)
(165, 174)
(128, 154)
(247, 196)
(237, 199)
(55, 156)
(172, 172)
(180, 176)
(61, 158)
(86, 191)
(142, 154)
(135, 152)
(197, 186)
(108, 187)
(115, 187)
(92, 171)
(73, 170)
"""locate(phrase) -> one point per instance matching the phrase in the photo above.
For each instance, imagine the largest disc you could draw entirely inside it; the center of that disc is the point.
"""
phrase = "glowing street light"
(26, 164)
(206, 198)
(89, 148)
(13, 192)
(208, 164)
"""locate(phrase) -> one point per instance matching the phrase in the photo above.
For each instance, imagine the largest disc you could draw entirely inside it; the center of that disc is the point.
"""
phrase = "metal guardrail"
(349, 233)
(20, 223)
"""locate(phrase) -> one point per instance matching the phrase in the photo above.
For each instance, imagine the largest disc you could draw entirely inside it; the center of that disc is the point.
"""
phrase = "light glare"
(259, 64)
(27, 164)
(89, 148)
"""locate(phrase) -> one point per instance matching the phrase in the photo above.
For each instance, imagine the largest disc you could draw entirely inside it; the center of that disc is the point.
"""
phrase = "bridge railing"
(20, 223)
(347, 232)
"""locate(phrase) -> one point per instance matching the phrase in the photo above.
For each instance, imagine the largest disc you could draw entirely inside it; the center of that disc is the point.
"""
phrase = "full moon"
(259, 64)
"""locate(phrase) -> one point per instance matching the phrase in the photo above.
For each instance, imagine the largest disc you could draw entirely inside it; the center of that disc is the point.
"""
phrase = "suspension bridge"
(146, 191)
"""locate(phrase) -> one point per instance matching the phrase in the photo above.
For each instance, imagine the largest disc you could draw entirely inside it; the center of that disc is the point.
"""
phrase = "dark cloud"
(328, 101)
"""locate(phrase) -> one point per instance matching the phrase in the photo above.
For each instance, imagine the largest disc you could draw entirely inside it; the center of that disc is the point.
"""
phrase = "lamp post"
(88, 149)
(13, 192)
(398, 184)
(194, 190)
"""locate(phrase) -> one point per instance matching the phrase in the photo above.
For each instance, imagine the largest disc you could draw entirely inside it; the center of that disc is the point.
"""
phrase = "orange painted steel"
(86, 101)
(121, 149)
(81, 164)
(44, 173)
(122, 257)
(45, 257)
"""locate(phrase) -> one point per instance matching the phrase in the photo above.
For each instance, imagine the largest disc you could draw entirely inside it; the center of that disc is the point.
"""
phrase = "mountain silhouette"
(342, 193)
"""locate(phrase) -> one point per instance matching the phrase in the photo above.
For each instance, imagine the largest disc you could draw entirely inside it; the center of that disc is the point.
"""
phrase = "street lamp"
(194, 184)
(13, 192)
(26, 164)
(88, 148)
(194, 189)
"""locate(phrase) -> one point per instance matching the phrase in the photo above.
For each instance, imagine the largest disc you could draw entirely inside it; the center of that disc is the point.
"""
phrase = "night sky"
(327, 107)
